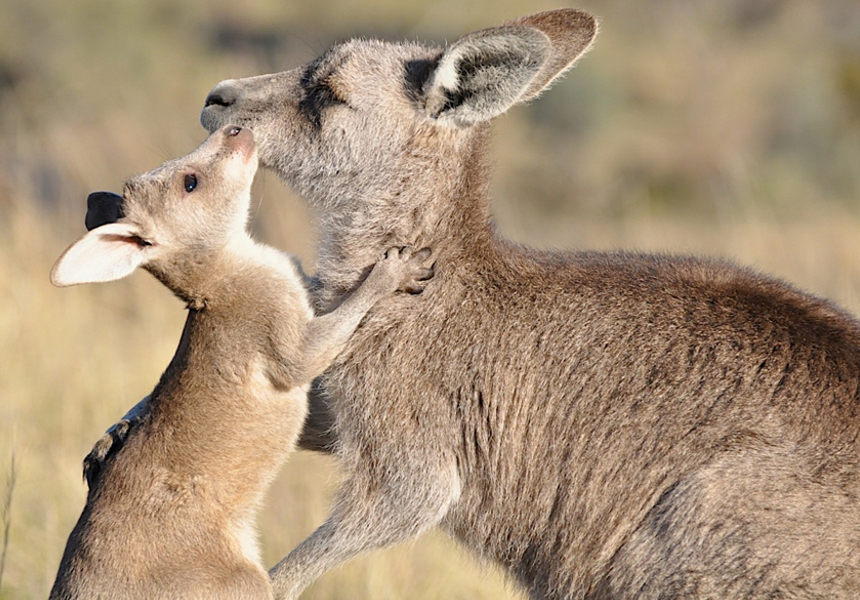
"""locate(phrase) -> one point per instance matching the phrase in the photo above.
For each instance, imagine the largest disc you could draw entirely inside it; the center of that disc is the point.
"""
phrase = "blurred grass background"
(728, 128)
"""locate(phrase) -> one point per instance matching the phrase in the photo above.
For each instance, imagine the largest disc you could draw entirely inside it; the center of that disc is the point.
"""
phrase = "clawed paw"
(108, 445)
(410, 270)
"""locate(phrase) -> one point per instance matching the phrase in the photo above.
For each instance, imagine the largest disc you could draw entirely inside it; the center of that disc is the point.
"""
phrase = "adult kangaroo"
(603, 425)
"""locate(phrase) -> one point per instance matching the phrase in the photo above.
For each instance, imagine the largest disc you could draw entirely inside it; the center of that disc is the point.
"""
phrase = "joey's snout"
(241, 140)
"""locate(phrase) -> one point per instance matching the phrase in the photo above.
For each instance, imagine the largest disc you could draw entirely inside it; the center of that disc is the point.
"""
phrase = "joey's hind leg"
(318, 432)
(112, 442)
(371, 510)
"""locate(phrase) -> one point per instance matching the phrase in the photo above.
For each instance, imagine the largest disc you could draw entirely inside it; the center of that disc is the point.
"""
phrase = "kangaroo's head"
(375, 132)
(386, 141)
(169, 220)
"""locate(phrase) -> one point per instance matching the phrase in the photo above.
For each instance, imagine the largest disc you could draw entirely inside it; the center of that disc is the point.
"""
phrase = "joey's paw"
(109, 444)
(406, 271)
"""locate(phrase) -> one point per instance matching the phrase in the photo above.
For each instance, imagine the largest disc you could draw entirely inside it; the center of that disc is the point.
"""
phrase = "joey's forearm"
(399, 269)
(111, 442)
(328, 334)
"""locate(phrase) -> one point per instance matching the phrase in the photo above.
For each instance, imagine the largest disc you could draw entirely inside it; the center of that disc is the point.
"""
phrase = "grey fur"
(604, 426)
(167, 520)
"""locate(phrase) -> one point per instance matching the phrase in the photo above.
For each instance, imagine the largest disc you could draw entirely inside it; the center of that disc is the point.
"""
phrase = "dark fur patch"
(318, 93)
(103, 208)
(416, 73)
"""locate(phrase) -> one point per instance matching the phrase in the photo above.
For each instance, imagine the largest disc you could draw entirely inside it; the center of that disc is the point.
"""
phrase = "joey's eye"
(189, 183)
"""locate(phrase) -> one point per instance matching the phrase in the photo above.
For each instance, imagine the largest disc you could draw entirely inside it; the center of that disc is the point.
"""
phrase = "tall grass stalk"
(7, 516)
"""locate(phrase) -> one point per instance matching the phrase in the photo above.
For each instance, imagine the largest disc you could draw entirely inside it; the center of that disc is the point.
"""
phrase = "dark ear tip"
(102, 197)
(103, 208)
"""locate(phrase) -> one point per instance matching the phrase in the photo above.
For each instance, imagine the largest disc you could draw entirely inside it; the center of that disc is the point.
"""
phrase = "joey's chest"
(234, 385)
(247, 349)
(228, 404)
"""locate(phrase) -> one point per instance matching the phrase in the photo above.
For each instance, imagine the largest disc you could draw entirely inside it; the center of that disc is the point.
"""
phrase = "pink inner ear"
(132, 239)
(106, 253)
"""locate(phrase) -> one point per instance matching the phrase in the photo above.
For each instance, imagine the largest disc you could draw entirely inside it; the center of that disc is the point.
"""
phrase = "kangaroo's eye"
(189, 183)
(319, 95)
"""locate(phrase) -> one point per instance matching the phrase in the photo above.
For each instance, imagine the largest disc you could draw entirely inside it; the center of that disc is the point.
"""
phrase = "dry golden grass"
(716, 129)
(75, 359)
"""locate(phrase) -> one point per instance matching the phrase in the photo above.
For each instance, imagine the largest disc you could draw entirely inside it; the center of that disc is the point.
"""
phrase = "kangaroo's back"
(696, 426)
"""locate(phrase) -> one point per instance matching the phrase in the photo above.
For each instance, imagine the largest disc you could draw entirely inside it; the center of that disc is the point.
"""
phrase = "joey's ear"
(106, 253)
(485, 73)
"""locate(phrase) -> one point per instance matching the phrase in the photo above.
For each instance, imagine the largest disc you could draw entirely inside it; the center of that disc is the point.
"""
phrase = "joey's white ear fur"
(483, 74)
(106, 253)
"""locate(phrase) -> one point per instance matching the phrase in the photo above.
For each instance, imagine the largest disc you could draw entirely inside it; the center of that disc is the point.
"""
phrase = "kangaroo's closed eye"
(319, 95)
(189, 183)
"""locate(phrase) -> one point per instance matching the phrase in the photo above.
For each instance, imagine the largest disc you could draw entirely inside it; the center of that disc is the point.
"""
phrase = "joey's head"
(172, 220)
(372, 123)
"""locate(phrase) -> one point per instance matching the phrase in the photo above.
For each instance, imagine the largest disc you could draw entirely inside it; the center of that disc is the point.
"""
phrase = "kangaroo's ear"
(571, 33)
(106, 253)
(103, 208)
(485, 73)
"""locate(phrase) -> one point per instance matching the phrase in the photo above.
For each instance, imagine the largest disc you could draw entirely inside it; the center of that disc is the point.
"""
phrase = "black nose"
(222, 95)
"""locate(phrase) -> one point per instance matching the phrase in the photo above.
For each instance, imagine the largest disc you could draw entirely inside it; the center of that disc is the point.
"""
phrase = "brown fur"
(170, 520)
(605, 426)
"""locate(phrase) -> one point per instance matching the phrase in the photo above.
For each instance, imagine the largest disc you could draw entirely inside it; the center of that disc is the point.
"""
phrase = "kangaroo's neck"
(444, 207)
